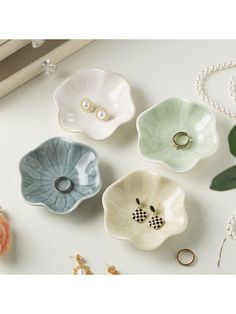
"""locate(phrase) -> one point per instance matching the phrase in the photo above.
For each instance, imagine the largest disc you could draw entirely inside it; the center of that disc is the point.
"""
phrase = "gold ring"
(189, 252)
(182, 144)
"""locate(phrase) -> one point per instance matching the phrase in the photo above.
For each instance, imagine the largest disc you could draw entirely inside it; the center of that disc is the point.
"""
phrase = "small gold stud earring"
(87, 105)
(112, 270)
(102, 114)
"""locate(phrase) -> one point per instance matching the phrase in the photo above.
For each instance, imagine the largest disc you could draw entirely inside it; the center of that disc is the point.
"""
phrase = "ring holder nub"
(181, 140)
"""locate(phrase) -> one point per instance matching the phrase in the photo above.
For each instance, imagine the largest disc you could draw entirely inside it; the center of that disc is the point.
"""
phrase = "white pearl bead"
(228, 228)
(232, 87)
(81, 271)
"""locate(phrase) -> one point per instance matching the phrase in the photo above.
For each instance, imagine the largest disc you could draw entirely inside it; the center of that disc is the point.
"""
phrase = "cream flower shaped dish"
(119, 202)
(105, 90)
(177, 133)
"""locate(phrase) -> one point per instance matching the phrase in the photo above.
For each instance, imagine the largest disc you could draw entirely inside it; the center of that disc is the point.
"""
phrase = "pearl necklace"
(201, 80)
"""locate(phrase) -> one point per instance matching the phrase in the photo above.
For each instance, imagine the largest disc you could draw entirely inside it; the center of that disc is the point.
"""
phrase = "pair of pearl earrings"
(101, 113)
(141, 215)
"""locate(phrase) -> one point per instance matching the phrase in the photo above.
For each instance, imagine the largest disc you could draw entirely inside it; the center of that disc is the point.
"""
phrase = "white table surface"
(42, 242)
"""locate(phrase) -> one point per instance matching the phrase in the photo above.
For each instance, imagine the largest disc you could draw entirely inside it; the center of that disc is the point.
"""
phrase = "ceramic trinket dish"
(59, 174)
(94, 102)
(177, 133)
(137, 223)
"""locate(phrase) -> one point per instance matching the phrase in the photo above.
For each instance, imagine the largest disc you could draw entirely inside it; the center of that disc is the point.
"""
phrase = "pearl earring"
(81, 268)
(87, 105)
(102, 114)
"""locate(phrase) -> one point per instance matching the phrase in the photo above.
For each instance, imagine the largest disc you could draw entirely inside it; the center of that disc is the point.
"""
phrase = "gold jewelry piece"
(87, 105)
(183, 252)
(81, 268)
(181, 140)
(112, 270)
(102, 114)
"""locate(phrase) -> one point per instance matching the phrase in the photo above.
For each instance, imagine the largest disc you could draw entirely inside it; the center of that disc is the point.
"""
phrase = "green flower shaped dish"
(59, 174)
(177, 133)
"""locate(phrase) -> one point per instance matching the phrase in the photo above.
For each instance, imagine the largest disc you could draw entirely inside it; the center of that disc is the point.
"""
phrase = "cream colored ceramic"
(105, 89)
(162, 193)
(158, 125)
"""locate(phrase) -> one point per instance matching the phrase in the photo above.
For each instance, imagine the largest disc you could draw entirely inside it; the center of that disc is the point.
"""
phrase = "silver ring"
(183, 144)
(68, 185)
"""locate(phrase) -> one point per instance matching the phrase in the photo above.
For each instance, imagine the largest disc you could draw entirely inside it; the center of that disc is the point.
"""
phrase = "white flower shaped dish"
(177, 133)
(94, 102)
(145, 209)
(60, 174)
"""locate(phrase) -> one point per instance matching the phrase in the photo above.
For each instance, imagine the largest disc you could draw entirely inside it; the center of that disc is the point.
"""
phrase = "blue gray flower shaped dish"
(60, 174)
(177, 133)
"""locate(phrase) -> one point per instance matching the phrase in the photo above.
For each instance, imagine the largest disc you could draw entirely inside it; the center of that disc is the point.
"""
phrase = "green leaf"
(224, 181)
(232, 141)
